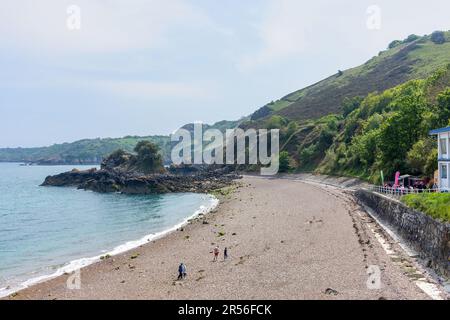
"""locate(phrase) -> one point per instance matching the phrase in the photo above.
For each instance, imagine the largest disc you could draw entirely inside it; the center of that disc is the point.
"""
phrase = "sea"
(49, 231)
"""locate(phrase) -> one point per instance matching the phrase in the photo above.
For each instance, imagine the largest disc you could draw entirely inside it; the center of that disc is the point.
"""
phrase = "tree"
(148, 158)
(438, 37)
(350, 104)
(394, 44)
(421, 158)
(284, 161)
(411, 38)
(276, 122)
(443, 100)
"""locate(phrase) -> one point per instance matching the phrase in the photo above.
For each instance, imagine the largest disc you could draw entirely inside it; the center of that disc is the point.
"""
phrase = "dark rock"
(201, 179)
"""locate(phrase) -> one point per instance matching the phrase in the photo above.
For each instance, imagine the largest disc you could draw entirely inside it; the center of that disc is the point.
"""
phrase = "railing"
(398, 192)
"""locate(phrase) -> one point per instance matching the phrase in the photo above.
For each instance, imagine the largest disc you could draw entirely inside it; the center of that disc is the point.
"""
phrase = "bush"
(422, 157)
(275, 122)
(148, 158)
(411, 38)
(284, 161)
(438, 37)
(350, 104)
(436, 205)
(394, 44)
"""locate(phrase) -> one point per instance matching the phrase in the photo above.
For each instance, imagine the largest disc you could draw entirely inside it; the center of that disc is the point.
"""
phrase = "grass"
(436, 205)
(224, 192)
(429, 58)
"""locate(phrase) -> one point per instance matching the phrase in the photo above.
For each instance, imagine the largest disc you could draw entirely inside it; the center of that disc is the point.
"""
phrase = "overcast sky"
(139, 67)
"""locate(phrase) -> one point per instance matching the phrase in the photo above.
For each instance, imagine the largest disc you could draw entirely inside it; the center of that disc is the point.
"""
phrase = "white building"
(443, 135)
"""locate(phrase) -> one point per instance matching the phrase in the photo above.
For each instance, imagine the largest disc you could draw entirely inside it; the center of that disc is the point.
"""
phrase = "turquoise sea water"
(46, 229)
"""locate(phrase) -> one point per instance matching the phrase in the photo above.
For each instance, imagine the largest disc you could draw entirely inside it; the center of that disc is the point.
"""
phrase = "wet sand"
(286, 240)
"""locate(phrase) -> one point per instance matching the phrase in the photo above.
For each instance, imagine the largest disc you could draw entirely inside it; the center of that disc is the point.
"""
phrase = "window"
(443, 143)
(444, 171)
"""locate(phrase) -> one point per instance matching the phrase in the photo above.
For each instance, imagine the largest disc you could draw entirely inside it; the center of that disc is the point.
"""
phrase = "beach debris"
(181, 229)
(200, 278)
(13, 295)
(234, 234)
(331, 292)
(205, 222)
(187, 237)
(200, 271)
(221, 233)
(123, 281)
(134, 256)
(131, 266)
(105, 257)
(117, 268)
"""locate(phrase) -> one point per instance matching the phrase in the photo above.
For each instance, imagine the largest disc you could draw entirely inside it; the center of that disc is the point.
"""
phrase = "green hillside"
(92, 151)
(87, 151)
(370, 118)
(413, 58)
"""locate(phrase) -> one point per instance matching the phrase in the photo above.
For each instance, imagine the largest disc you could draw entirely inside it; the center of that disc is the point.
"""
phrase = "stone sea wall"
(429, 237)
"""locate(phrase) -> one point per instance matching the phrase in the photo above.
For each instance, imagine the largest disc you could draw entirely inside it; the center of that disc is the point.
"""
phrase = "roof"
(441, 130)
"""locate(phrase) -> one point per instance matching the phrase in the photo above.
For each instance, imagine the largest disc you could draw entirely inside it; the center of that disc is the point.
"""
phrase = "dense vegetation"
(146, 159)
(436, 205)
(383, 131)
(363, 129)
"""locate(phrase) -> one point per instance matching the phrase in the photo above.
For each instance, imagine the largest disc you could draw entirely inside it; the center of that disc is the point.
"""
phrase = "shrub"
(394, 44)
(284, 161)
(148, 158)
(436, 205)
(411, 38)
(438, 37)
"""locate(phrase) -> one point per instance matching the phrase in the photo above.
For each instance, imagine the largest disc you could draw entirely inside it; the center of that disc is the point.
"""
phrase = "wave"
(77, 264)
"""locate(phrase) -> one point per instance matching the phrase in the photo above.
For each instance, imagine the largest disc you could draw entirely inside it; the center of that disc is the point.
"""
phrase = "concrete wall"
(429, 237)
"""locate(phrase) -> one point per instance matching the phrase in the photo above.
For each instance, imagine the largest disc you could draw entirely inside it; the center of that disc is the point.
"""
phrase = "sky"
(109, 68)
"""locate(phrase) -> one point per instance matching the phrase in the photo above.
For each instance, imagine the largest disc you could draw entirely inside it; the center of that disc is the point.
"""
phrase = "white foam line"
(84, 262)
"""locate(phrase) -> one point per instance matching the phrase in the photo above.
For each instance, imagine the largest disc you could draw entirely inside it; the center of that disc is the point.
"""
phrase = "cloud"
(106, 26)
(282, 33)
(148, 90)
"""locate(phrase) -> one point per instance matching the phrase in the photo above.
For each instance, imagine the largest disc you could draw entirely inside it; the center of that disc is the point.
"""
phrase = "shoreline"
(287, 239)
(77, 264)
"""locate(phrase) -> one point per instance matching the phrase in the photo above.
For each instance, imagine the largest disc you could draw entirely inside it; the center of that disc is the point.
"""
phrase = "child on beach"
(216, 253)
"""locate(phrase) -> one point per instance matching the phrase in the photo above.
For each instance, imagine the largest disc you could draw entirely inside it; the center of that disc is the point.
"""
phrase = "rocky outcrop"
(429, 237)
(177, 179)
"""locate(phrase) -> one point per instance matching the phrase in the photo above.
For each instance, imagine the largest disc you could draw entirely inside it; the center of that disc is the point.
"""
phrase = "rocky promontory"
(143, 173)
(174, 180)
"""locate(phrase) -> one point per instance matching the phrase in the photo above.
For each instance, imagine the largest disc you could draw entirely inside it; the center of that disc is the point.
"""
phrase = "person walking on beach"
(184, 270)
(181, 271)
(225, 254)
(216, 253)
